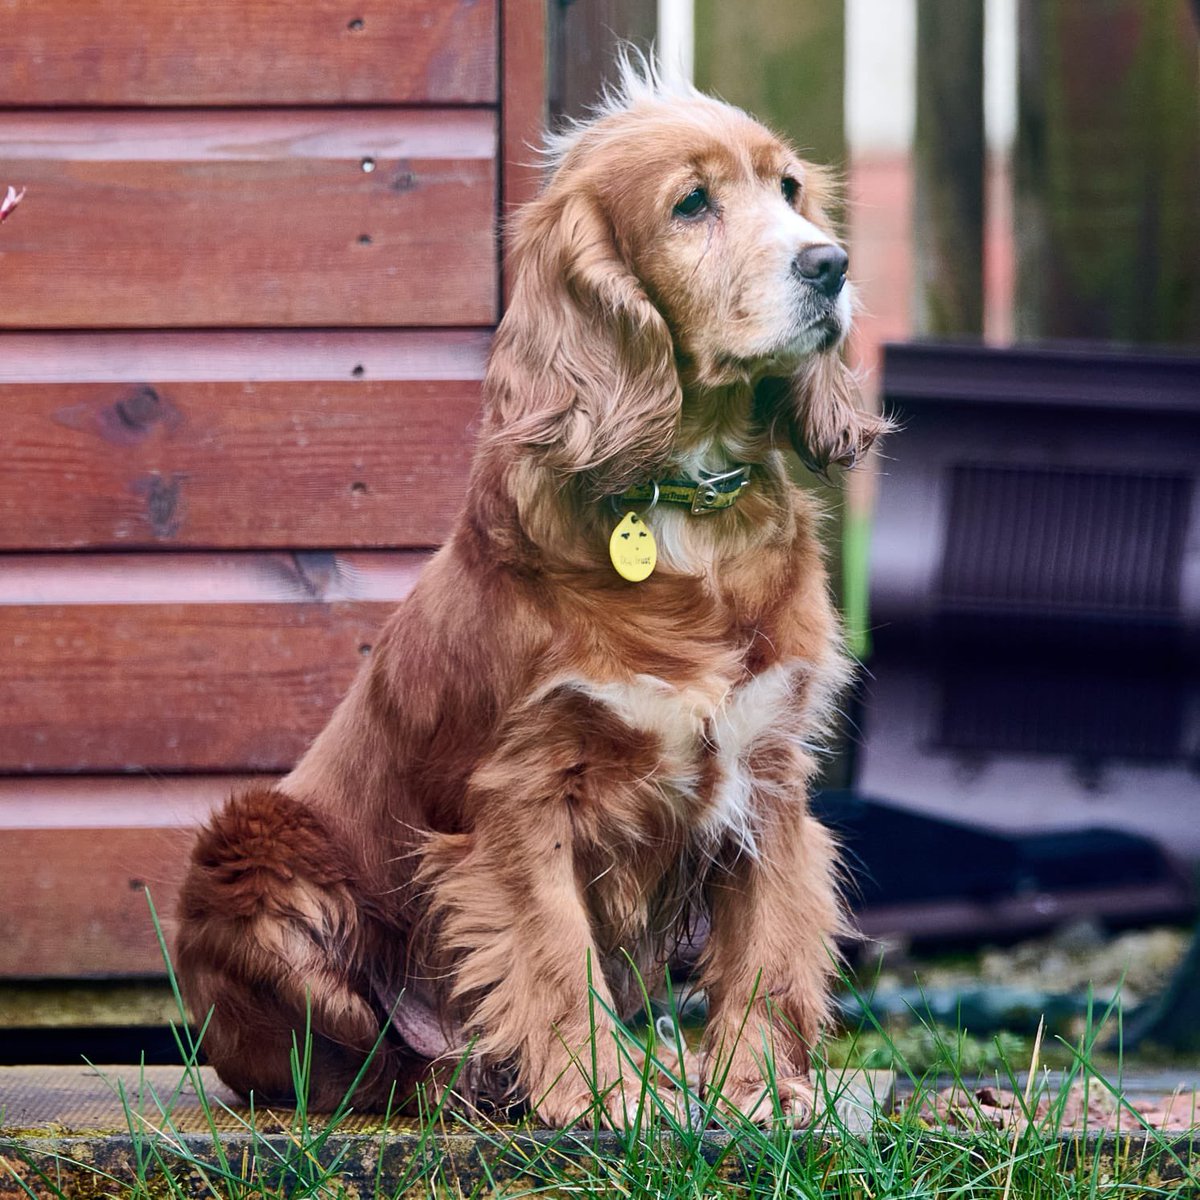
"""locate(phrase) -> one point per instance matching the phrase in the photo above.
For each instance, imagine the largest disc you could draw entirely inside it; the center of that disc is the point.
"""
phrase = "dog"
(557, 772)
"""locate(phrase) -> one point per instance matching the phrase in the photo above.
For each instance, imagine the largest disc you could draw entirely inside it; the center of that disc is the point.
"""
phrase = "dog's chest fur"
(712, 740)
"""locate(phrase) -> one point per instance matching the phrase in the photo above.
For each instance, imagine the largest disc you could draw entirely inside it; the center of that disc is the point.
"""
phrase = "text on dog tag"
(632, 548)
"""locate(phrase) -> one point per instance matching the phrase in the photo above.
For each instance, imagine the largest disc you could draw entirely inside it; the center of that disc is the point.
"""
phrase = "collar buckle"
(717, 490)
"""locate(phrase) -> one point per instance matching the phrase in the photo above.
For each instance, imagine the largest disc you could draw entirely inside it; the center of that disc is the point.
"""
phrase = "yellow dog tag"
(632, 548)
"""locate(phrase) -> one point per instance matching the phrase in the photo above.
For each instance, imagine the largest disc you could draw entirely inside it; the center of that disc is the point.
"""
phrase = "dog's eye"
(790, 188)
(693, 204)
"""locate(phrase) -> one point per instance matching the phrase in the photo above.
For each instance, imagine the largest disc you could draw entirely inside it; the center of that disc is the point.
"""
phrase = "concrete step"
(59, 1126)
(84, 1131)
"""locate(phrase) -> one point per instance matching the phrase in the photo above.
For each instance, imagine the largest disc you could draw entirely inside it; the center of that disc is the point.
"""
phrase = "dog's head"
(679, 248)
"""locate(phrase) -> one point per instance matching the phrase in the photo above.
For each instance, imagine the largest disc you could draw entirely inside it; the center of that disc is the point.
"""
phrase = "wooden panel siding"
(314, 354)
(183, 663)
(247, 305)
(374, 217)
(209, 52)
(201, 687)
(236, 441)
(72, 901)
(114, 801)
(82, 851)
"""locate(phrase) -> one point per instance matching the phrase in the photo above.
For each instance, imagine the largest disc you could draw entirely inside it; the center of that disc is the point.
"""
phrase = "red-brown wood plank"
(253, 52)
(207, 447)
(179, 687)
(317, 218)
(82, 850)
(72, 902)
(201, 662)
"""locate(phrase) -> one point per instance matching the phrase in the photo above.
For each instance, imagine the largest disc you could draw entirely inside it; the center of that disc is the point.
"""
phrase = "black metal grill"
(1045, 540)
(1036, 529)
(999, 710)
(1035, 593)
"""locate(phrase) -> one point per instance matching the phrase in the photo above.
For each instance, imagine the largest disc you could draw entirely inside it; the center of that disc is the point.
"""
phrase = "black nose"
(824, 266)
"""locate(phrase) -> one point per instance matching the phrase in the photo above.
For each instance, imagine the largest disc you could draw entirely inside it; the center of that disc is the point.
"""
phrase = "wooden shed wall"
(246, 306)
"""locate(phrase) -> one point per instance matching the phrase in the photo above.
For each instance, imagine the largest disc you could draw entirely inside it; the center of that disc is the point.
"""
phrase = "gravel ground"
(1064, 963)
(978, 1011)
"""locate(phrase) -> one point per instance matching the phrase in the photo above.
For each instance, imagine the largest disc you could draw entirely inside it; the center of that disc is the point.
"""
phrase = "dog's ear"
(819, 407)
(583, 366)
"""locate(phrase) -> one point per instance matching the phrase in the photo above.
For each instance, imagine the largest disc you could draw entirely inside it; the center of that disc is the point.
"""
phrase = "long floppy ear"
(819, 409)
(583, 370)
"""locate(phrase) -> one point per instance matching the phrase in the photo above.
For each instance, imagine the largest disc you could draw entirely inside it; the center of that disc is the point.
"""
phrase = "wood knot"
(130, 419)
(164, 508)
(139, 410)
(403, 180)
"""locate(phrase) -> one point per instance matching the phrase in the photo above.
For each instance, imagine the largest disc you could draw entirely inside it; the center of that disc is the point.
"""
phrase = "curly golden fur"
(544, 772)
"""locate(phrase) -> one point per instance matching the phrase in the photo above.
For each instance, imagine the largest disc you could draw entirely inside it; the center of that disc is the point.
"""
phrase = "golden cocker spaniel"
(585, 736)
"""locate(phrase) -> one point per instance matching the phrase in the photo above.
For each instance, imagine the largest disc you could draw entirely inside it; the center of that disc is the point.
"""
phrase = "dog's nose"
(824, 266)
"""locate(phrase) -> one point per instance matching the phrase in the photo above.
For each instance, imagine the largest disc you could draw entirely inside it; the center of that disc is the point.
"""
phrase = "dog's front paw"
(789, 1099)
(633, 1106)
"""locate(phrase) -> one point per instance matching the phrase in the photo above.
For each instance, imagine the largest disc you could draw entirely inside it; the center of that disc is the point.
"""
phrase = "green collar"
(712, 492)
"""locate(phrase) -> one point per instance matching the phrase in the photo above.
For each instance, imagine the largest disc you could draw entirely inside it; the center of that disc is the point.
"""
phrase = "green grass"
(701, 1153)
